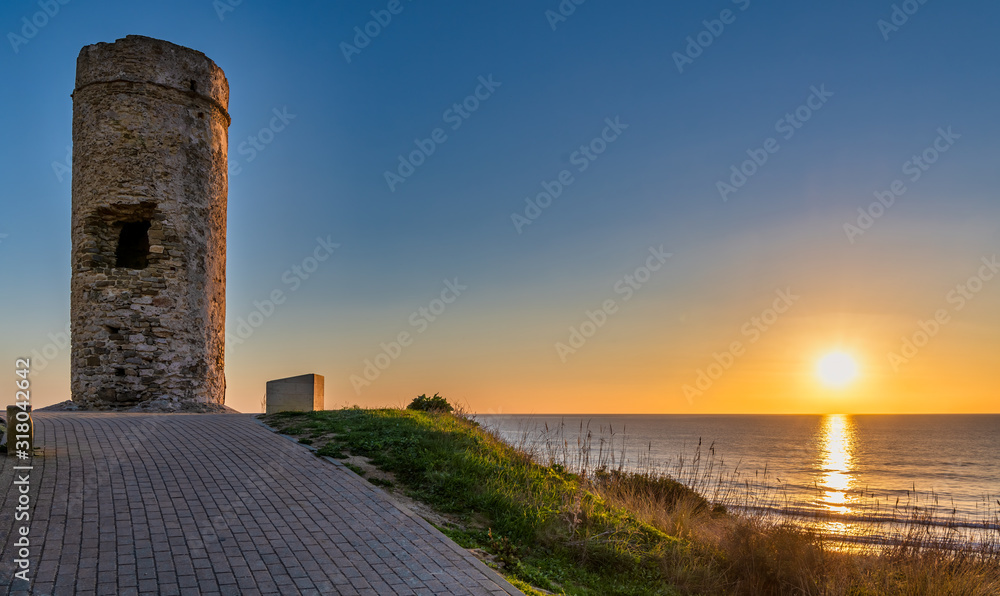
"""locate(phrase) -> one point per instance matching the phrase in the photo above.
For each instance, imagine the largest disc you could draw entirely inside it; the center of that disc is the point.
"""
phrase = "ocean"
(864, 478)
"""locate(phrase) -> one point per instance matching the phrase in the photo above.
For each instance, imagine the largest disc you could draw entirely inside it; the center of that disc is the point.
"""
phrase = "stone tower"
(148, 293)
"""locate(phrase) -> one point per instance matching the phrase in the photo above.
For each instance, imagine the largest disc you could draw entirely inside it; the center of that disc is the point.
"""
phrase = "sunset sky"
(642, 133)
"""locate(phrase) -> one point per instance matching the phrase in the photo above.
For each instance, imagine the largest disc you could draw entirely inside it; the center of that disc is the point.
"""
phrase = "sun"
(836, 369)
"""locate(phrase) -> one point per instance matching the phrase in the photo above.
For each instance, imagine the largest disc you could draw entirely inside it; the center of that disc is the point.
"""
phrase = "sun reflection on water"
(838, 440)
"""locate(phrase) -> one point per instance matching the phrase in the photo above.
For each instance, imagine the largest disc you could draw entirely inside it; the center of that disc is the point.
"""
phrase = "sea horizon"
(845, 475)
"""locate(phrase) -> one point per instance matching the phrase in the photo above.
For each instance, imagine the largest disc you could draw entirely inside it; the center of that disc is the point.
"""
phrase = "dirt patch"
(373, 472)
(484, 556)
(433, 517)
(369, 469)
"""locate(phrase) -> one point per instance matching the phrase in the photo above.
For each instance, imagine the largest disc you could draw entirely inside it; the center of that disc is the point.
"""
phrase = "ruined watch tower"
(148, 292)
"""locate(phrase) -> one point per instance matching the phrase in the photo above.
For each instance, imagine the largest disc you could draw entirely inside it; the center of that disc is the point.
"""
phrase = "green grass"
(611, 532)
(355, 469)
(381, 482)
(547, 530)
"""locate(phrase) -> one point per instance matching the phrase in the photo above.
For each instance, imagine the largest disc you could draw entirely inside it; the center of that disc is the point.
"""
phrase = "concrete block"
(303, 393)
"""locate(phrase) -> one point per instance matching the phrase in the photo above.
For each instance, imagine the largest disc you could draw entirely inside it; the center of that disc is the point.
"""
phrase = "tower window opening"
(133, 245)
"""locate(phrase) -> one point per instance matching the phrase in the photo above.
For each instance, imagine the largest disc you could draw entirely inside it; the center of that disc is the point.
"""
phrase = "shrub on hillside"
(430, 404)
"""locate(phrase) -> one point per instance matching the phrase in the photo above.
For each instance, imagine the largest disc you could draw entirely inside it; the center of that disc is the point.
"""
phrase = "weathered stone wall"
(150, 144)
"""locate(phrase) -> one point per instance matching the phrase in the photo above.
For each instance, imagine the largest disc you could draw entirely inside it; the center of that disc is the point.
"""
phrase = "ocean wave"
(896, 518)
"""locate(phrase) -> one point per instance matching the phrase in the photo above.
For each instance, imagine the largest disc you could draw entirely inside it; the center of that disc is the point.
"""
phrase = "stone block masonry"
(150, 144)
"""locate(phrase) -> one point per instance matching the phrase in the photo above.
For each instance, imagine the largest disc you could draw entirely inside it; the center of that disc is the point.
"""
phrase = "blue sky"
(323, 176)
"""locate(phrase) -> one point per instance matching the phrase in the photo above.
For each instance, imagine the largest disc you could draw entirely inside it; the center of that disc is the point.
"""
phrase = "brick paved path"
(214, 504)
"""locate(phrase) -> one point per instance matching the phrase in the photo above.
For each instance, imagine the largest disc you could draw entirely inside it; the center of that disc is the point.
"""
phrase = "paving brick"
(217, 504)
